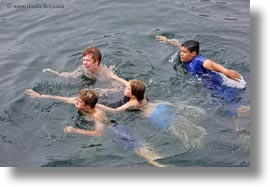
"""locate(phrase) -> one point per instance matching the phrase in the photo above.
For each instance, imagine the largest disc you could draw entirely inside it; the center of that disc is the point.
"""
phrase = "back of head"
(89, 97)
(192, 45)
(137, 89)
(95, 52)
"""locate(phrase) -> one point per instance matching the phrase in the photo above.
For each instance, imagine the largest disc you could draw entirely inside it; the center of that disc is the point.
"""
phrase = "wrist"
(44, 96)
(172, 40)
(225, 71)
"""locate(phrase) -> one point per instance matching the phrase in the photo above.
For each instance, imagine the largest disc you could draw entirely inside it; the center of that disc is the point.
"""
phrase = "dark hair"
(89, 97)
(95, 52)
(137, 89)
(192, 45)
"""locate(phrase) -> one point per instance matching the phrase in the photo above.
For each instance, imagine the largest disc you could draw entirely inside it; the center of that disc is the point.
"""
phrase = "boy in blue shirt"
(199, 65)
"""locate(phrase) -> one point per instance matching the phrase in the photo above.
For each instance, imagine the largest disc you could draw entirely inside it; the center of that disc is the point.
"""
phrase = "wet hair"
(137, 89)
(89, 97)
(95, 52)
(192, 45)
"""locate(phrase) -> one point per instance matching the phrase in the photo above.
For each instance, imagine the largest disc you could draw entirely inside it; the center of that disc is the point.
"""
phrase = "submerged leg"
(190, 134)
(243, 111)
(149, 155)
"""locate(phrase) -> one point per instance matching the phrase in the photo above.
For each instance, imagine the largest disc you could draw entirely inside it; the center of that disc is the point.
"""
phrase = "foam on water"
(232, 83)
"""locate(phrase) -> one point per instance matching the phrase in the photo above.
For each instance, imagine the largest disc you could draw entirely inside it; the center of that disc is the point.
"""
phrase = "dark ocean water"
(42, 36)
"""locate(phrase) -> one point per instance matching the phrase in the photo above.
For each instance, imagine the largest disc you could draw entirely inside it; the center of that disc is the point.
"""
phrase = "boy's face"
(186, 55)
(89, 63)
(79, 104)
(127, 91)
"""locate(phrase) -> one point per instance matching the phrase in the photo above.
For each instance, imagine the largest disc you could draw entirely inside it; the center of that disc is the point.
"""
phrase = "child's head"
(94, 52)
(135, 88)
(86, 99)
(189, 50)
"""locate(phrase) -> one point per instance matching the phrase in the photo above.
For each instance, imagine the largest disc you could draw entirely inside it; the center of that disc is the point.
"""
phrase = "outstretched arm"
(114, 110)
(232, 74)
(99, 127)
(32, 93)
(119, 79)
(171, 41)
(73, 74)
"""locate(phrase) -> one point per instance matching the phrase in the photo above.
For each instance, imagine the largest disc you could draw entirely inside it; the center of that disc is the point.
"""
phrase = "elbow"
(116, 111)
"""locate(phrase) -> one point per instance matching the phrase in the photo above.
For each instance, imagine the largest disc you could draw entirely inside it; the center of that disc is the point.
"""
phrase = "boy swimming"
(202, 66)
(86, 102)
(91, 67)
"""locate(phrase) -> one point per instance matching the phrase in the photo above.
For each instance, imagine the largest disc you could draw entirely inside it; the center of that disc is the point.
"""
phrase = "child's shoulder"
(106, 69)
(200, 58)
(100, 115)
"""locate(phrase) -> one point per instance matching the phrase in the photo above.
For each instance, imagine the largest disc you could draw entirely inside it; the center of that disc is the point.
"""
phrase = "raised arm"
(32, 93)
(232, 74)
(171, 41)
(73, 74)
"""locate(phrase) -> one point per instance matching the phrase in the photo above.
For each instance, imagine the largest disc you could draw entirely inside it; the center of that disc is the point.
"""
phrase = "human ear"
(193, 53)
(96, 62)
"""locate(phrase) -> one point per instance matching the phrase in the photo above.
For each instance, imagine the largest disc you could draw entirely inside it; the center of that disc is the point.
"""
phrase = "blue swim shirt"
(196, 65)
(163, 115)
(221, 86)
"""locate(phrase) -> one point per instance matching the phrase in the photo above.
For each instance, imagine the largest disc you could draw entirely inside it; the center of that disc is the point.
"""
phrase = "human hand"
(162, 38)
(32, 93)
(69, 129)
(235, 75)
